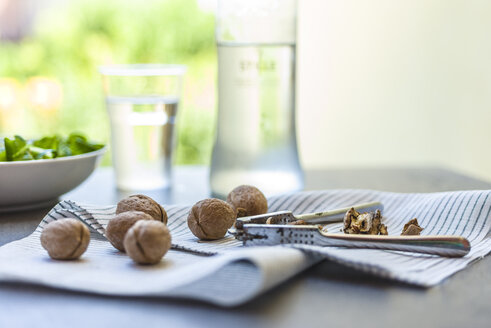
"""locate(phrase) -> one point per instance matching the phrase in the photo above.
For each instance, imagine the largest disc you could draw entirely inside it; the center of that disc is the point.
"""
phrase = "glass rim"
(142, 69)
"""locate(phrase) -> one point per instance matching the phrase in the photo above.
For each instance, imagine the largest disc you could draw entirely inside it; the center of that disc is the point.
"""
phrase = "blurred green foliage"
(70, 40)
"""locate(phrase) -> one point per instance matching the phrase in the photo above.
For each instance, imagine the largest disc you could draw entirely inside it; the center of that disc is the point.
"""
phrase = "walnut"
(65, 239)
(247, 201)
(120, 224)
(412, 228)
(146, 242)
(142, 203)
(365, 223)
(211, 218)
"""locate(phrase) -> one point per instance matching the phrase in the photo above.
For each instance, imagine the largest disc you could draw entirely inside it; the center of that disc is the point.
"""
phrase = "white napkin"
(236, 274)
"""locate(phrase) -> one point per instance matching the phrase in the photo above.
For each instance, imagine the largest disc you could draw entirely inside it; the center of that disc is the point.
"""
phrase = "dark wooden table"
(323, 296)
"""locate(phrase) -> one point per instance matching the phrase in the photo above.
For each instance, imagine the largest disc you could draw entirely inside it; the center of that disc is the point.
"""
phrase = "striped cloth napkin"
(225, 273)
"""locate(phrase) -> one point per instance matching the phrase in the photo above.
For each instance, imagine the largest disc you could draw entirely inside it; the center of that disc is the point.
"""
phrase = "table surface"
(327, 294)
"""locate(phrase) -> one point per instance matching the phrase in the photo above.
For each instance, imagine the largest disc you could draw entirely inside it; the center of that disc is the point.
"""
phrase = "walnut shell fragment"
(247, 201)
(120, 224)
(273, 220)
(146, 242)
(368, 223)
(65, 239)
(211, 218)
(298, 222)
(412, 228)
(144, 204)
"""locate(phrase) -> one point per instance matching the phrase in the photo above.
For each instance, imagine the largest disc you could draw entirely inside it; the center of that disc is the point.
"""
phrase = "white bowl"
(30, 184)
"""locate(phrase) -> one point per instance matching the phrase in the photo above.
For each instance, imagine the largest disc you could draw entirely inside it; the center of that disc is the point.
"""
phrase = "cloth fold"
(225, 273)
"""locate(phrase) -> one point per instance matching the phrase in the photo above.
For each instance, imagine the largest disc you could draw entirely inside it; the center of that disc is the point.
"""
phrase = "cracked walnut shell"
(412, 228)
(144, 204)
(118, 226)
(364, 223)
(247, 201)
(211, 218)
(65, 239)
(146, 242)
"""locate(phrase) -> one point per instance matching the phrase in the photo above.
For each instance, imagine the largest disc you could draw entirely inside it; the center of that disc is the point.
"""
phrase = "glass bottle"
(255, 136)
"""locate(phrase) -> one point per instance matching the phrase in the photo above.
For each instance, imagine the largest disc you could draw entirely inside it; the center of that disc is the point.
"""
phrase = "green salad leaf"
(19, 149)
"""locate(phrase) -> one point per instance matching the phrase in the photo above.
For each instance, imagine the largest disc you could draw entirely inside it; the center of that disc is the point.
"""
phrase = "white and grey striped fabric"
(237, 274)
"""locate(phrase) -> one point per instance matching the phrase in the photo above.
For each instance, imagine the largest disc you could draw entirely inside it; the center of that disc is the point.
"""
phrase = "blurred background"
(380, 83)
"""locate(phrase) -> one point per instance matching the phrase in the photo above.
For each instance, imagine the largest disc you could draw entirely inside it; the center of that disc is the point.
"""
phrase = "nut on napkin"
(65, 239)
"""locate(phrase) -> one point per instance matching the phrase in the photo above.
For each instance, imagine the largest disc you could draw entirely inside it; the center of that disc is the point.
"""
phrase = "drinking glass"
(142, 101)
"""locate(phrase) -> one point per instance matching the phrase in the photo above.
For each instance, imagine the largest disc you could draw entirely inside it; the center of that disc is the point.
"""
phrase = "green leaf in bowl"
(17, 149)
(47, 142)
(79, 144)
(41, 153)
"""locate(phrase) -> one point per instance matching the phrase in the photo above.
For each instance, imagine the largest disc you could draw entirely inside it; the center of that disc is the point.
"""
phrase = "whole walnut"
(247, 201)
(142, 203)
(211, 218)
(120, 224)
(147, 241)
(65, 239)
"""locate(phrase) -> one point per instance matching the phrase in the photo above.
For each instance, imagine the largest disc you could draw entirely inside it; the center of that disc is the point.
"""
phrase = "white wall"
(395, 83)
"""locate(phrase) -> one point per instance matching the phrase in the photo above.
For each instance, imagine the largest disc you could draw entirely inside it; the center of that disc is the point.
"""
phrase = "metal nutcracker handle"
(265, 234)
